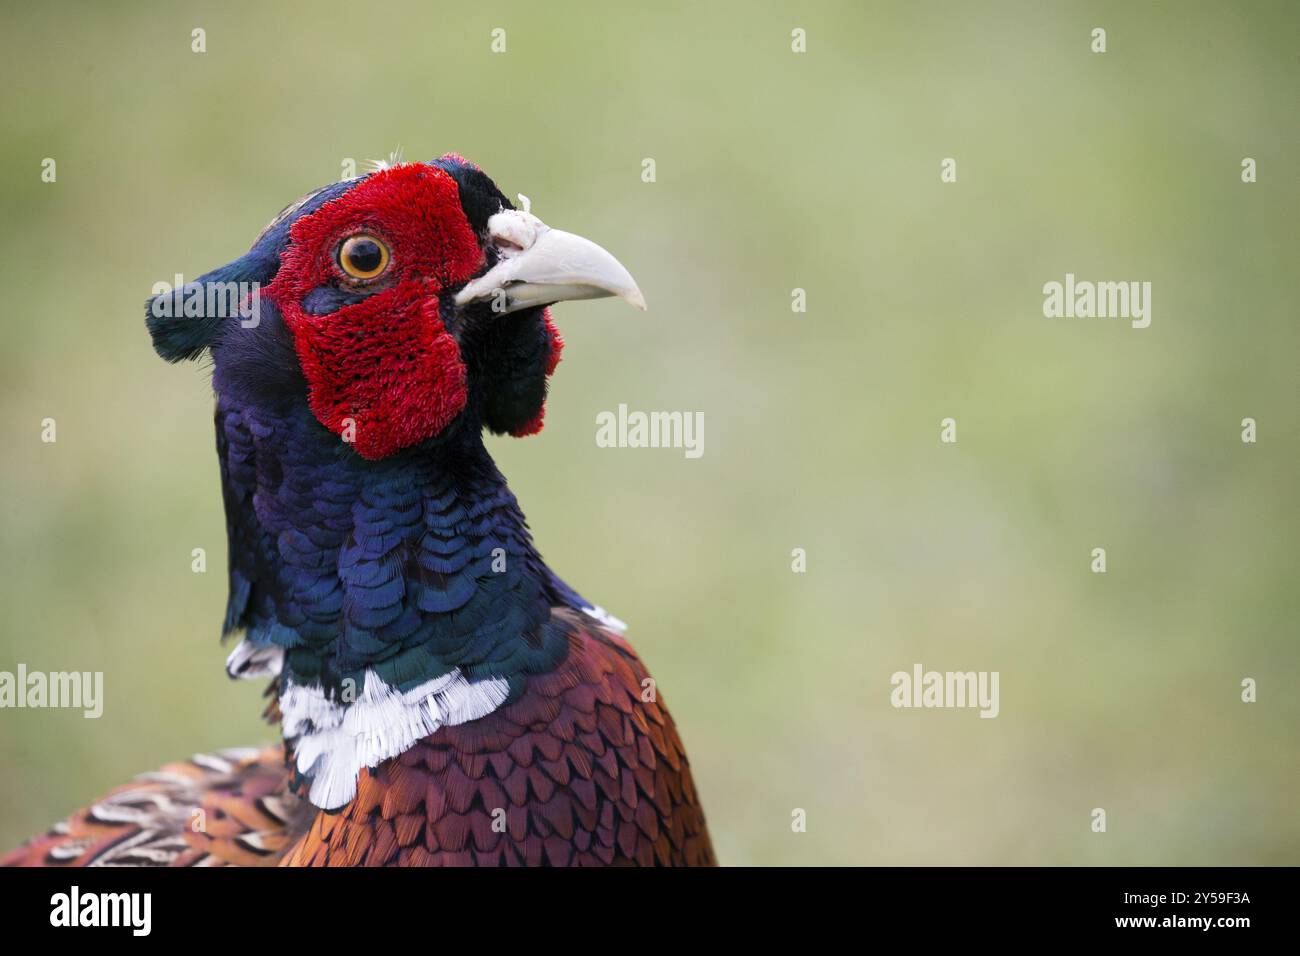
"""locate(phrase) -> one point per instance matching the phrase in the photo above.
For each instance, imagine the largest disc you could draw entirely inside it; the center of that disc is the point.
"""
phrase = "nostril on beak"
(513, 231)
(505, 247)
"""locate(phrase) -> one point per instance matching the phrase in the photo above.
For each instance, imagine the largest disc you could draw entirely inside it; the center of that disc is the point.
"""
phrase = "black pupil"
(364, 255)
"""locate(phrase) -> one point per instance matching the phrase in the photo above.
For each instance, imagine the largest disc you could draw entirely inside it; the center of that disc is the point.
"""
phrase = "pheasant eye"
(363, 257)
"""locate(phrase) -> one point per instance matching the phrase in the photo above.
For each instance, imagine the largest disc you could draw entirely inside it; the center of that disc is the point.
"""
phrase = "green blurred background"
(774, 171)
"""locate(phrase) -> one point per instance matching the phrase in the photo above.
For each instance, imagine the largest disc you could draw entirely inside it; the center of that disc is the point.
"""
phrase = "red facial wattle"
(383, 372)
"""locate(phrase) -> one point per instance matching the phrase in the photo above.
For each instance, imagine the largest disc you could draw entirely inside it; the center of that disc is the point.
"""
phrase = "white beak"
(540, 265)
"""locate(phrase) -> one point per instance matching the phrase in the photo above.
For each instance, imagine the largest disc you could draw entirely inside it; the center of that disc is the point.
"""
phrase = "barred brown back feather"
(224, 809)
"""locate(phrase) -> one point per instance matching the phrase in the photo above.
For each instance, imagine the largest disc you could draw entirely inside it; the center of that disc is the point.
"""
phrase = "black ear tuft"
(184, 322)
(177, 337)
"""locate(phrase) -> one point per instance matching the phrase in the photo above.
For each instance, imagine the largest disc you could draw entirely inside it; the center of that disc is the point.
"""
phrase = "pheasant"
(444, 698)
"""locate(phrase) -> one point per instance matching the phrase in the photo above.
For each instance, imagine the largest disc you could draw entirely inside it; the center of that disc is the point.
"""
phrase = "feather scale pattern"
(584, 767)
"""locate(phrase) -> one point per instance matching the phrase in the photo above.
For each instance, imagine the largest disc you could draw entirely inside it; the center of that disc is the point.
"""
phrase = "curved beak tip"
(634, 298)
